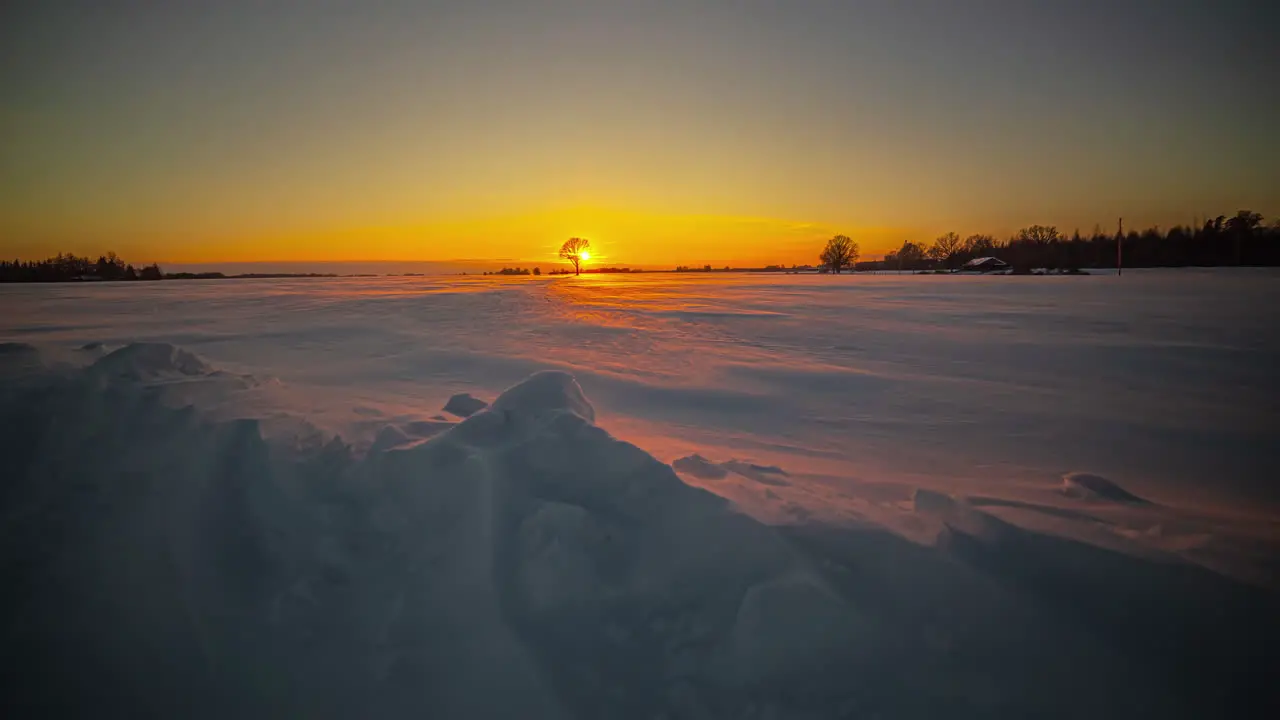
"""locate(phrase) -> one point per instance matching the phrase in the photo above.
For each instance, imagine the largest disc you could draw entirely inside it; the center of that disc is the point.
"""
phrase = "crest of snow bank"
(139, 361)
(546, 392)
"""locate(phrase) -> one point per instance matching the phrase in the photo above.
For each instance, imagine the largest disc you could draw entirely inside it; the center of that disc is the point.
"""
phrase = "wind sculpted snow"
(272, 519)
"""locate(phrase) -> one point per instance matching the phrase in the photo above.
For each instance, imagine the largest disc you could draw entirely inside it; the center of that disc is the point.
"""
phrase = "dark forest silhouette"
(70, 268)
(1241, 239)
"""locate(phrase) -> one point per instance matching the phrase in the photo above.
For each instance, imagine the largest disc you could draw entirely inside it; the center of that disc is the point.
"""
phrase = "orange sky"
(666, 133)
(617, 237)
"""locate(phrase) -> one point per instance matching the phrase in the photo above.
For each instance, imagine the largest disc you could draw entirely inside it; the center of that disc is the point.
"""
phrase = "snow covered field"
(731, 496)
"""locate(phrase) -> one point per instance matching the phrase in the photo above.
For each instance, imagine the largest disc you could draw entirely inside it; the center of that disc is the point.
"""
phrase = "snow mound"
(950, 515)
(699, 467)
(546, 392)
(17, 352)
(389, 437)
(17, 359)
(763, 474)
(1086, 486)
(17, 349)
(522, 562)
(930, 501)
(464, 405)
(144, 361)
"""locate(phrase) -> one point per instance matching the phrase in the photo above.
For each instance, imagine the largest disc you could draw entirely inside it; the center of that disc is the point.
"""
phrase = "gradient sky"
(666, 132)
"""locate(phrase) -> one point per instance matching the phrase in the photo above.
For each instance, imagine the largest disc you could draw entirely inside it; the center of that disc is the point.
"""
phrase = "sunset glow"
(675, 133)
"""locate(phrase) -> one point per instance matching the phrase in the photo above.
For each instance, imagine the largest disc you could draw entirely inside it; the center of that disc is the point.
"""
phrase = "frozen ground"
(734, 496)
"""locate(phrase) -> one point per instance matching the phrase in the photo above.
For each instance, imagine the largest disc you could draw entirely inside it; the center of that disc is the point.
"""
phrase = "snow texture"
(200, 522)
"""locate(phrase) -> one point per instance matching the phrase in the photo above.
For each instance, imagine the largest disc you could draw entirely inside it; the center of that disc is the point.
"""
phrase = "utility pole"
(1120, 249)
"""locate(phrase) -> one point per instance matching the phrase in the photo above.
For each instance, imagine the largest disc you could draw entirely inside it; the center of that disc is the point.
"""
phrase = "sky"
(705, 131)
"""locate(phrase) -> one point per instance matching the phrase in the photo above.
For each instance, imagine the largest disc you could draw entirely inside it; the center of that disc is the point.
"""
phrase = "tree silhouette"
(1244, 222)
(946, 248)
(110, 267)
(909, 255)
(1039, 234)
(1240, 227)
(68, 268)
(572, 250)
(840, 252)
(978, 246)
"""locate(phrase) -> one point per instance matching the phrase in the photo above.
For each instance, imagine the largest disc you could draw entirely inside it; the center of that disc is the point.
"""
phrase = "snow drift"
(140, 361)
(1087, 486)
(525, 563)
(464, 405)
(521, 563)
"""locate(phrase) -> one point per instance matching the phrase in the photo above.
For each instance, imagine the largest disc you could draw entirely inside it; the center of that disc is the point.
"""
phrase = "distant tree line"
(70, 268)
(766, 269)
(1242, 239)
(605, 270)
(251, 276)
(516, 271)
(703, 269)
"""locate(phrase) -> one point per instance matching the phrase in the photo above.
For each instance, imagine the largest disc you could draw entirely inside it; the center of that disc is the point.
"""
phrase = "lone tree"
(575, 251)
(840, 252)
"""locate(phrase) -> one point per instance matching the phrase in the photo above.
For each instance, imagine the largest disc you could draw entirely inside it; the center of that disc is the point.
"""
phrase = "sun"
(585, 255)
